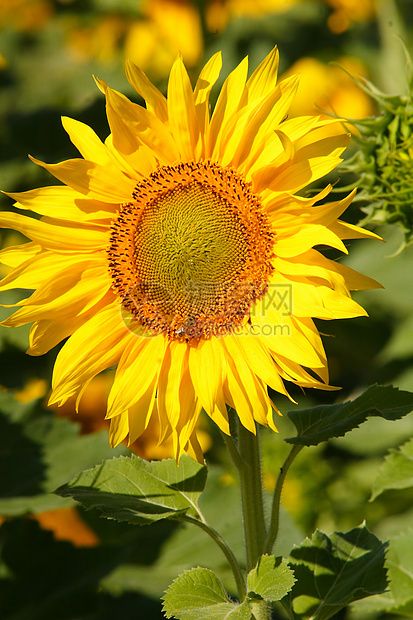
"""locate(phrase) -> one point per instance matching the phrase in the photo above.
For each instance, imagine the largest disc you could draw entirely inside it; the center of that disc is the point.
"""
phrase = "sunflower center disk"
(191, 253)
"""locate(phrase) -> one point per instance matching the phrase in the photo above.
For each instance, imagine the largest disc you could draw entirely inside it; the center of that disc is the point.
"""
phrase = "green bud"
(383, 163)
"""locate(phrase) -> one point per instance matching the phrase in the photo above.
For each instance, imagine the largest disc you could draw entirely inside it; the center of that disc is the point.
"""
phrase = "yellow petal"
(194, 449)
(227, 104)
(119, 428)
(288, 204)
(34, 271)
(47, 333)
(86, 141)
(251, 134)
(78, 294)
(297, 374)
(340, 306)
(104, 183)
(297, 175)
(305, 238)
(140, 413)
(354, 280)
(155, 101)
(132, 157)
(175, 360)
(350, 231)
(250, 400)
(207, 369)
(206, 80)
(333, 146)
(140, 125)
(298, 127)
(189, 410)
(182, 116)
(328, 213)
(279, 334)
(264, 78)
(87, 353)
(139, 365)
(260, 361)
(282, 152)
(17, 254)
(314, 264)
(59, 236)
(63, 202)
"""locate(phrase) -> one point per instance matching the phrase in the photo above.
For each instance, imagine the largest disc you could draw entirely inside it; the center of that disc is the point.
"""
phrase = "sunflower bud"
(383, 163)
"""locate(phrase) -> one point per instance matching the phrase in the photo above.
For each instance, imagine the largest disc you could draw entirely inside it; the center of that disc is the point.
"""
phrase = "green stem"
(276, 502)
(246, 458)
(393, 59)
(232, 561)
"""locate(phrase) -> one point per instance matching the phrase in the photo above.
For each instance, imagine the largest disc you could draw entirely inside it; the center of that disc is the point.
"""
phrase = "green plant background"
(329, 486)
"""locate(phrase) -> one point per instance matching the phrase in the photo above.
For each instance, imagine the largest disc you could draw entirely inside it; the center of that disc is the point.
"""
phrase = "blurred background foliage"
(60, 562)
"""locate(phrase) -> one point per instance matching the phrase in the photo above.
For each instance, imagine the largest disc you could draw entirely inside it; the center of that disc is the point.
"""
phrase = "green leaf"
(398, 599)
(327, 421)
(198, 594)
(396, 471)
(332, 572)
(271, 579)
(133, 490)
(40, 451)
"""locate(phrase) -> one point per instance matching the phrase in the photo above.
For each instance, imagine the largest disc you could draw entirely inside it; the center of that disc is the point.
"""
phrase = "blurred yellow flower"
(3, 62)
(67, 524)
(327, 87)
(163, 29)
(219, 12)
(169, 27)
(345, 12)
(25, 15)
(99, 40)
(34, 389)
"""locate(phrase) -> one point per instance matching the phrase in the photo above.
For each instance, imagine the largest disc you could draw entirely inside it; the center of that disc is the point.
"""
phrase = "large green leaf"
(327, 421)
(198, 594)
(39, 452)
(131, 489)
(271, 579)
(333, 571)
(396, 471)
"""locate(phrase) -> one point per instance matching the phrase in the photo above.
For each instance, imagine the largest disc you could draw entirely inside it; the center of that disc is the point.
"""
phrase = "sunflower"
(180, 252)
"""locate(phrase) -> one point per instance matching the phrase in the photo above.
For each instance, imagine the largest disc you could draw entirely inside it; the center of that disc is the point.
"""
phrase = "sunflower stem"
(246, 458)
(276, 502)
(261, 610)
(232, 561)
(393, 59)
